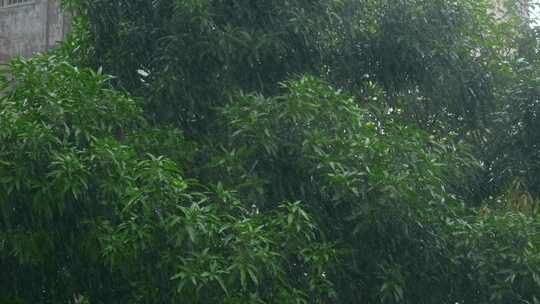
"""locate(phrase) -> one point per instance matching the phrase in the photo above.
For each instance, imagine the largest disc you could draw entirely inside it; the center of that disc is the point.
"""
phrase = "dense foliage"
(354, 151)
(85, 211)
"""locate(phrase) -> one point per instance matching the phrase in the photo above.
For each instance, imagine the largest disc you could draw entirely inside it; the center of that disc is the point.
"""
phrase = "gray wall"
(31, 27)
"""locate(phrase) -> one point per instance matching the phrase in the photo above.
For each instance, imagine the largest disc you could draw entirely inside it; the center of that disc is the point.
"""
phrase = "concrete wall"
(31, 27)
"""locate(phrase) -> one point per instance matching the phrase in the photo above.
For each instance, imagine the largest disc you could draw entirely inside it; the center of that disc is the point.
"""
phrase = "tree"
(276, 152)
(86, 211)
(192, 53)
(445, 65)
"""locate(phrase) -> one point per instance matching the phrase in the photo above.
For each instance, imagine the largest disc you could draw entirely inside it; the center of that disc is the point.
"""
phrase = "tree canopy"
(280, 151)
